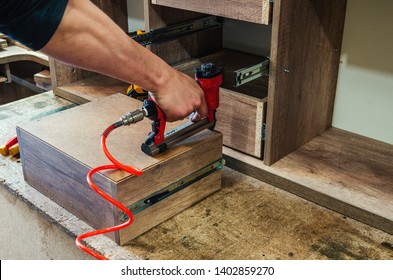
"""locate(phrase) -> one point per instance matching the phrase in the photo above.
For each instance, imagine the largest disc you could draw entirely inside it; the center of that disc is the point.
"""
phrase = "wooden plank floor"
(247, 219)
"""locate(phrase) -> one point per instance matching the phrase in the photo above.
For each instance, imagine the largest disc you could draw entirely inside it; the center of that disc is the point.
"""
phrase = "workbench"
(246, 219)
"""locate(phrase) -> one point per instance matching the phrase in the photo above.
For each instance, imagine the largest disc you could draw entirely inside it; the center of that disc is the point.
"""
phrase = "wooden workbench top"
(247, 219)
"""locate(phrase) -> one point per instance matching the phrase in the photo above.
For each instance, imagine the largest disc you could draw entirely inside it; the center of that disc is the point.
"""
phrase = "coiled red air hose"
(116, 165)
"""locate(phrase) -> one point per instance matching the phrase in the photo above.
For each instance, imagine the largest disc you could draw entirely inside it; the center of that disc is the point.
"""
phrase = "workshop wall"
(364, 98)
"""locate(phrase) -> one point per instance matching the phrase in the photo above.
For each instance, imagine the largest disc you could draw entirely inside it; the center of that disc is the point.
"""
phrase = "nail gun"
(209, 77)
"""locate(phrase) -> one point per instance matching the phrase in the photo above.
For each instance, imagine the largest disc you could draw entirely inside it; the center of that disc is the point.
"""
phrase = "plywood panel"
(240, 120)
(91, 89)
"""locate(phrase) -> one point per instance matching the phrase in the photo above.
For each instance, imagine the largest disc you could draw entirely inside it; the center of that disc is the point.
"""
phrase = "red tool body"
(209, 77)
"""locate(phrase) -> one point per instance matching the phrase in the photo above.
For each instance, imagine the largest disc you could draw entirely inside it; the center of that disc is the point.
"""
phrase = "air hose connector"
(133, 117)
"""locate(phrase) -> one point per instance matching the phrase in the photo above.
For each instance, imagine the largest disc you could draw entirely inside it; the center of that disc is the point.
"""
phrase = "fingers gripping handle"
(209, 77)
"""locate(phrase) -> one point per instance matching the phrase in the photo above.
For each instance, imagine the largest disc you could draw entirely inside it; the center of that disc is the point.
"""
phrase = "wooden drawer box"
(58, 151)
(258, 11)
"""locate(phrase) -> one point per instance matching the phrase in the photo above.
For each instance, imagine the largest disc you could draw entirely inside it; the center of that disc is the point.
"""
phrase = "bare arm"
(89, 39)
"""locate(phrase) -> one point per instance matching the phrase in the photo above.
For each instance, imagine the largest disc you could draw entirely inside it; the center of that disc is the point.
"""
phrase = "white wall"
(364, 98)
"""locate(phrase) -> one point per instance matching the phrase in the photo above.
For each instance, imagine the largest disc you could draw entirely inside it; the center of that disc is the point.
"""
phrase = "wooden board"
(257, 11)
(348, 173)
(43, 77)
(240, 119)
(3, 44)
(59, 150)
(43, 80)
(305, 55)
(91, 89)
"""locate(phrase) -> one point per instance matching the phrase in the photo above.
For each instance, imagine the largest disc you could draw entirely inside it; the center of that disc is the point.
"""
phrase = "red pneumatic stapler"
(209, 77)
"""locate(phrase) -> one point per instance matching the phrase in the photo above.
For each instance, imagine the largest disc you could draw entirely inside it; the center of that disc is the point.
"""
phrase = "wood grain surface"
(91, 89)
(239, 119)
(251, 220)
(257, 11)
(305, 55)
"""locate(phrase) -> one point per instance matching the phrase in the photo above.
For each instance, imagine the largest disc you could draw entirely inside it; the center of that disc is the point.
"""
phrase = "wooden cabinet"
(304, 59)
(274, 124)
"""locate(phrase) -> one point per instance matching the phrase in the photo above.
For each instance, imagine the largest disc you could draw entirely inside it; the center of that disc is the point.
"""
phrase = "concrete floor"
(26, 235)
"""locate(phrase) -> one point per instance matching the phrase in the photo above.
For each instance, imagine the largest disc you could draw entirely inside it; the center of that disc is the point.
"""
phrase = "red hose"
(116, 165)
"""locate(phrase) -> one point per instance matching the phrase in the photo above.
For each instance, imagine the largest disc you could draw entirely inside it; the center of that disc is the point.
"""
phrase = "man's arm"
(79, 41)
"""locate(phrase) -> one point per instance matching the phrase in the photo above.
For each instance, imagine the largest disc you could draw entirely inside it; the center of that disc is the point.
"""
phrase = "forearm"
(86, 37)
(89, 39)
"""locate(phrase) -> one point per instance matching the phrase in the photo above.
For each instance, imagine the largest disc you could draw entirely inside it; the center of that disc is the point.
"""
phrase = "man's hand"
(180, 97)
